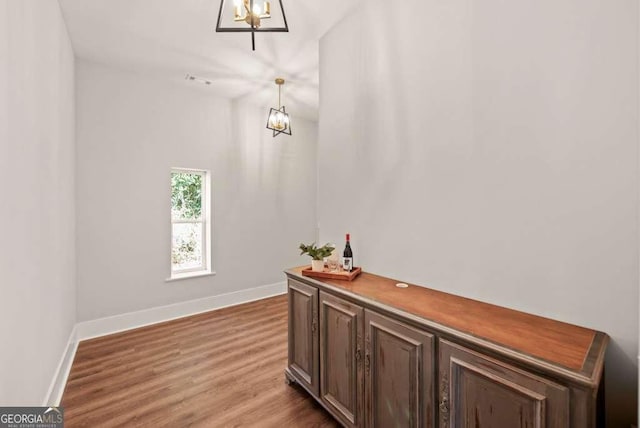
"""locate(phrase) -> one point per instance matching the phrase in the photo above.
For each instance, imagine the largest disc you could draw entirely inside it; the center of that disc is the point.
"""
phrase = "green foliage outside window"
(186, 196)
(186, 204)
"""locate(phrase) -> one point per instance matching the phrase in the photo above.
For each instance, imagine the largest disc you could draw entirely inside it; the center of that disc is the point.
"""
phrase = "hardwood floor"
(219, 369)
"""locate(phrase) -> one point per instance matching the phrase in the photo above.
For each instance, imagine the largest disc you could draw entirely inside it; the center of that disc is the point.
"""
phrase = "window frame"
(205, 221)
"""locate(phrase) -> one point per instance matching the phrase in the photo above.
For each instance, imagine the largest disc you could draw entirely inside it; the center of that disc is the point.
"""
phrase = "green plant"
(317, 253)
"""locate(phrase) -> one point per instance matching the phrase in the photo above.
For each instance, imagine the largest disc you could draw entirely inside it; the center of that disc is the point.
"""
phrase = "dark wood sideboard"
(375, 355)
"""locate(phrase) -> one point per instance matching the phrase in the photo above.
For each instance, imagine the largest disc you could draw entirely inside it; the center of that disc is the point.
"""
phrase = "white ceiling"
(170, 38)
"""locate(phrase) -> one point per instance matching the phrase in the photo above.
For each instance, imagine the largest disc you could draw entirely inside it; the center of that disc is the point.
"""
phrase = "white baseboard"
(114, 324)
(59, 381)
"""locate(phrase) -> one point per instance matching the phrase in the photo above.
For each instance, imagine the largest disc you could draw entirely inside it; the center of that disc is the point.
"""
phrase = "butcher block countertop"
(574, 352)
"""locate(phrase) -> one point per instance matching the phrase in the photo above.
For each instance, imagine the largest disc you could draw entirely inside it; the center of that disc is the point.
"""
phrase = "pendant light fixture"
(278, 120)
(251, 16)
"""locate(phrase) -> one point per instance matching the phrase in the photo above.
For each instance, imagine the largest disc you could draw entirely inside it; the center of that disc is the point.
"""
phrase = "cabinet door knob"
(444, 406)
(314, 327)
(358, 354)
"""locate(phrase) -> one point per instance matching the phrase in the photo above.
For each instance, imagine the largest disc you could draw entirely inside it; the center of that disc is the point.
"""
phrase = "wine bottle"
(347, 257)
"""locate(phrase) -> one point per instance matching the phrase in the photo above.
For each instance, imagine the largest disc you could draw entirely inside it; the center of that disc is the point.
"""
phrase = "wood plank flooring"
(219, 369)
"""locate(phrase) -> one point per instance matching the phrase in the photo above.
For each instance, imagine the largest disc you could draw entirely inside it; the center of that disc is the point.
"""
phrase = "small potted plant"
(317, 255)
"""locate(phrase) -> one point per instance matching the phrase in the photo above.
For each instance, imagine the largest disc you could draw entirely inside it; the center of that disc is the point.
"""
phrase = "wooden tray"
(347, 276)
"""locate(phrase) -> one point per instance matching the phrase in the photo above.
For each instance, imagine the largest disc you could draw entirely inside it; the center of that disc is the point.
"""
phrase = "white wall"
(491, 150)
(37, 262)
(131, 130)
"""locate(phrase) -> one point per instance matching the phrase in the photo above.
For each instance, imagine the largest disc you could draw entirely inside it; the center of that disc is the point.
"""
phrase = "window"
(190, 223)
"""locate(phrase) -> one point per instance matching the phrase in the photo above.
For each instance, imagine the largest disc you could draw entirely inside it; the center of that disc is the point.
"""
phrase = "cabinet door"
(478, 391)
(303, 334)
(399, 374)
(341, 343)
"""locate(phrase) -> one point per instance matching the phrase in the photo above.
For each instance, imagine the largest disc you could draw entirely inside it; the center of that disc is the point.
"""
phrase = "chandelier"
(278, 120)
(251, 16)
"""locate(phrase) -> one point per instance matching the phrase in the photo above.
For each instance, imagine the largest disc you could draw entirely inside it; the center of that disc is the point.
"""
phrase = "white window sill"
(189, 275)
